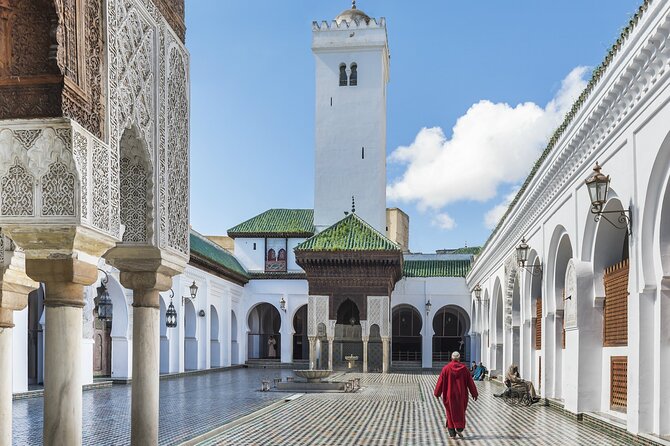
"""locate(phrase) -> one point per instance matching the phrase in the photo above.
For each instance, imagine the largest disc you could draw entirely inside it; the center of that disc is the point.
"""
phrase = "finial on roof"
(353, 4)
(353, 200)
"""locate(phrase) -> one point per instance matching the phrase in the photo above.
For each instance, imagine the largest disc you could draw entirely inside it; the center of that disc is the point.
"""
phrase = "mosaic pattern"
(398, 409)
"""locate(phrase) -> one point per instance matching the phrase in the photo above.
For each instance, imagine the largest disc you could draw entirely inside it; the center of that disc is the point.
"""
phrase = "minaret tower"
(352, 71)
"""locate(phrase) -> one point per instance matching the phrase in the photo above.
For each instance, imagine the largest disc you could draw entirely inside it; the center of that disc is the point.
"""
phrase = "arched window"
(353, 77)
(343, 75)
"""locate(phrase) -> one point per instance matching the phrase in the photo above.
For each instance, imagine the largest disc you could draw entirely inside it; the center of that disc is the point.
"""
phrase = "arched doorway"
(406, 339)
(498, 331)
(264, 338)
(450, 326)
(516, 322)
(563, 256)
(300, 341)
(234, 346)
(214, 343)
(536, 314)
(348, 335)
(190, 340)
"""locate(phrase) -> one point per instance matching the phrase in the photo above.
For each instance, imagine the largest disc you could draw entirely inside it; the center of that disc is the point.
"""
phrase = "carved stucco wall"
(317, 313)
(378, 313)
(511, 276)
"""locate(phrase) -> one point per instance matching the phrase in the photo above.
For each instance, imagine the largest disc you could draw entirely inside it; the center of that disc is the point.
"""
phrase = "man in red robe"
(453, 385)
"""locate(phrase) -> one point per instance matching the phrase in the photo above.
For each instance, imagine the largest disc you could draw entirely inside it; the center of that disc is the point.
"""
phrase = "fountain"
(313, 382)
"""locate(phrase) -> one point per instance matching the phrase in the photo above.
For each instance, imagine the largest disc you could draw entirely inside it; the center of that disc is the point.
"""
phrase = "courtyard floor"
(393, 409)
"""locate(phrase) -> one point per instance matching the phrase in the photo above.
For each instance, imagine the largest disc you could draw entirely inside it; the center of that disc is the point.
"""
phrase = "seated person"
(473, 368)
(519, 384)
(480, 372)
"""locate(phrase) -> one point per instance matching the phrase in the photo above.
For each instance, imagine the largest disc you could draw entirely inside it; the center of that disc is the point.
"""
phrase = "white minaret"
(352, 70)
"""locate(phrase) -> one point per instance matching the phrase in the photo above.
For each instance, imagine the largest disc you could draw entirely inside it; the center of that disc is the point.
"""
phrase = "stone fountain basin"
(313, 376)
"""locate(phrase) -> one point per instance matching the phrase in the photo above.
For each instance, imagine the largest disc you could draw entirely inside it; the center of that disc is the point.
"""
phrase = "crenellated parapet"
(340, 25)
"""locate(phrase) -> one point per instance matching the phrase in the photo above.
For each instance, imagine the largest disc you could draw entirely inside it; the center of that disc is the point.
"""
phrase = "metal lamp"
(522, 258)
(282, 304)
(429, 305)
(171, 313)
(598, 185)
(478, 292)
(103, 300)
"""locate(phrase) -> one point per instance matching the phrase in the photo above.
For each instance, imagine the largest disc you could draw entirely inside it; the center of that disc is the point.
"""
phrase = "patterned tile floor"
(189, 407)
(400, 409)
(394, 409)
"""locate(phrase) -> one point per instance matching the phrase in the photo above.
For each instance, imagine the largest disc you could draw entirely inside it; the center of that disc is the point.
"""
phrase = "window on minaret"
(353, 77)
(343, 75)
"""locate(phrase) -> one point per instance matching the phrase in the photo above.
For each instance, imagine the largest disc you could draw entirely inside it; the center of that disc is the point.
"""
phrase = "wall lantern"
(598, 185)
(428, 306)
(522, 258)
(104, 302)
(201, 313)
(478, 292)
(193, 289)
(282, 304)
(171, 313)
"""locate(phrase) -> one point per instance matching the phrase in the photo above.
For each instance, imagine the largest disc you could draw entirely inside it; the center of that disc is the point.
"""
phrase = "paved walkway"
(393, 409)
(401, 410)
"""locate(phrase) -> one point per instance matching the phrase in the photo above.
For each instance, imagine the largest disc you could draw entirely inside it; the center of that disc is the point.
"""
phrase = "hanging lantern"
(429, 306)
(598, 186)
(104, 302)
(193, 289)
(478, 292)
(171, 314)
(522, 252)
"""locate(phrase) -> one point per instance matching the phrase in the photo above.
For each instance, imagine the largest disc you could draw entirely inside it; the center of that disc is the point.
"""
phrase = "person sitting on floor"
(480, 372)
(473, 367)
(519, 384)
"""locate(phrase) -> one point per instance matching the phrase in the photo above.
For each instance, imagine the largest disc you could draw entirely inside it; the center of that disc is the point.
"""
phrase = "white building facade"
(586, 315)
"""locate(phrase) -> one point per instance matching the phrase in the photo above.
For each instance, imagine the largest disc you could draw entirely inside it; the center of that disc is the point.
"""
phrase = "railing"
(446, 357)
(406, 356)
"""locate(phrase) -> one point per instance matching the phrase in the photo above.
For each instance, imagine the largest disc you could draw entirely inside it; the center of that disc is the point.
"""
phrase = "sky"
(476, 90)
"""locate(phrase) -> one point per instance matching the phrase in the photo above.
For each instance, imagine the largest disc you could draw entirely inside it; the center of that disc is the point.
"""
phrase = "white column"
(427, 343)
(312, 352)
(365, 354)
(6, 377)
(146, 358)
(385, 356)
(330, 353)
(62, 373)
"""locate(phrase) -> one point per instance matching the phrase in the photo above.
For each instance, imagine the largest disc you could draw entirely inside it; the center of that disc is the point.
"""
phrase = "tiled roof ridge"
(308, 217)
(203, 239)
(351, 216)
(597, 74)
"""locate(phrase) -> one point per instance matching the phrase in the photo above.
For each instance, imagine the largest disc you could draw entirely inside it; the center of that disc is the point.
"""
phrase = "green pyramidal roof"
(351, 233)
(203, 247)
(277, 223)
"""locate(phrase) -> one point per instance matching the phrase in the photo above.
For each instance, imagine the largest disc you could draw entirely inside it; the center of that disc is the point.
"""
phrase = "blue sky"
(476, 88)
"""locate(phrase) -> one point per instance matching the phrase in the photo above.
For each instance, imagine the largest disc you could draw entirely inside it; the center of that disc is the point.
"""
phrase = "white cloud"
(492, 144)
(494, 215)
(444, 221)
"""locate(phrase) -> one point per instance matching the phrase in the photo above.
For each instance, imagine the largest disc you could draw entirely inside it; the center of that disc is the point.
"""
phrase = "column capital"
(65, 279)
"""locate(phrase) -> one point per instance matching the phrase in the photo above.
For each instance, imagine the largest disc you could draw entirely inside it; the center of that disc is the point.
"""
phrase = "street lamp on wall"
(104, 302)
(598, 185)
(429, 306)
(522, 257)
(478, 292)
(282, 304)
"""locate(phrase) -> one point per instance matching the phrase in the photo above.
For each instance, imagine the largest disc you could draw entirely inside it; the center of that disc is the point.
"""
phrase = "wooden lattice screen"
(615, 323)
(538, 324)
(618, 382)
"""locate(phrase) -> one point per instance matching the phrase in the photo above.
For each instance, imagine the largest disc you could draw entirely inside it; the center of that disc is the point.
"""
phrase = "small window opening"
(254, 246)
(343, 75)
(353, 77)
(331, 101)
(362, 153)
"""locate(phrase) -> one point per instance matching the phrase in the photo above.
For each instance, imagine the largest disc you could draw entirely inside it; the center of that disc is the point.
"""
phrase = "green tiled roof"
(351, 233)
(205, 248)
(467, 250)
(436, 268)
(277, 223)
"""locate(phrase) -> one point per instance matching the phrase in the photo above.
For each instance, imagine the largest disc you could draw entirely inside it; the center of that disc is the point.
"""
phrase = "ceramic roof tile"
(436, 268)
(277, 223)
(205, 248)
(351, 233)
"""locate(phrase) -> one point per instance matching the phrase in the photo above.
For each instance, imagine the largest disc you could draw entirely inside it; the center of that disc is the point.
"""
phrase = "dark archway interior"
(264, 337)
(450, 326)
(406, 334)
(348, 314)
(300, 341)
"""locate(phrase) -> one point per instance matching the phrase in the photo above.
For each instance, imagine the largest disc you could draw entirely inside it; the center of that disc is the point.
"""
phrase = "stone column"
(146, 353)
(312, 352)
(64, 280)
(365, 354)
(385, 360)
(6, 325)
(330, 353)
